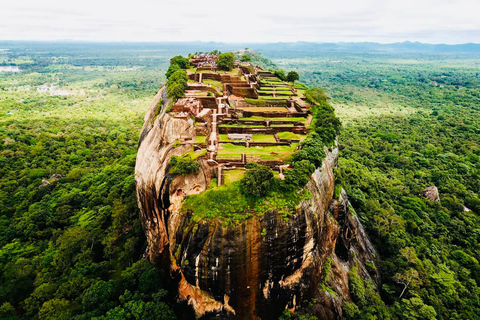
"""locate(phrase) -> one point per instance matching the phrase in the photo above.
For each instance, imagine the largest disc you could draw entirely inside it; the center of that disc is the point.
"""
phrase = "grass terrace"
(240, 126)
(265, 102)
(200, 139)
(197, 154)
(264, 109)
(230, 204)
(275, 119)
(274, 85)
(230, 151)
(224, 137)
(282, 125)
(255, 138)
(299, 85)
(275, 98)
(291, 136)
(232, 72)
(216, 84)
(263, 138)
(270, 80)
(196, 93)
(230, 176)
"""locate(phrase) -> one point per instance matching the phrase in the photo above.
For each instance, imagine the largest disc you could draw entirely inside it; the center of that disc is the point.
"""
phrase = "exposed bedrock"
(257, 268)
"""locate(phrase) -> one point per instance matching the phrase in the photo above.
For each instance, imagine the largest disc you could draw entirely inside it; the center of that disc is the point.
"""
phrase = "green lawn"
(266, 102)
(273, 98)
(266, 89)
(266, 96)
(230, 151)
(275, 119)
(197, 154)
(240, 126)
(264, 109)
(200, 139)
(223, 137)
(263, 138)
(299, 85)
(282, 125)
(232, 205)
(216, 84)
(230, 176)
(291, 136)
(271, 80)
(255, 137)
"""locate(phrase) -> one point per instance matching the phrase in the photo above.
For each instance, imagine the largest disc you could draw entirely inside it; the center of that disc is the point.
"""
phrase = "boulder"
(431, 193)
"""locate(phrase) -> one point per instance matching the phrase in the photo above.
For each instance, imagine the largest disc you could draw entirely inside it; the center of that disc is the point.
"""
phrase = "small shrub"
(183, 165)
(299, 175)
(226, 60)
(257, 181)
(280, 74)
(245, 58)
(356, 285)
(292, 76)
(316, 96)
(312, 150)
(180, 61)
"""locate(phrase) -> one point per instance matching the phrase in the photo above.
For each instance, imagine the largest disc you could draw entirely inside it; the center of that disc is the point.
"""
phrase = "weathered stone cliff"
(259, 267)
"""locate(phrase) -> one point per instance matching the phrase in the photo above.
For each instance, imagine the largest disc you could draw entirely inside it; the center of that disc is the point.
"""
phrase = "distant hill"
(185, 47)
(399, 47)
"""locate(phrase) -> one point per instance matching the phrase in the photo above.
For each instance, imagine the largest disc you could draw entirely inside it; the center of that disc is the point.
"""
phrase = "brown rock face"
(431, 193)
(254, 269)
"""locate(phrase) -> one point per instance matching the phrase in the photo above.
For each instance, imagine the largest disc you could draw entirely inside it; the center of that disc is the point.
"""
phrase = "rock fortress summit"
(236, 187)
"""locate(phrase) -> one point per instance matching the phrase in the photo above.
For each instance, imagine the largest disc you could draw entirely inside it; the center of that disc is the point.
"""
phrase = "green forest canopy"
(72, 249)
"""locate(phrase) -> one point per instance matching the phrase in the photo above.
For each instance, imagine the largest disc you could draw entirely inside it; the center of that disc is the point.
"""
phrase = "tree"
(172, 69)
(312, 150)
(245, 58)
(292, 76)
(175, 91)
(226, 60)
(280, 74)
(410, 277)
(178, 76)
(300, 174)
(257, 181)
(183, 165)
(180, 61)
(325, 123)
(177, 84)
(316, 96)
(55, 309)
(415, 309)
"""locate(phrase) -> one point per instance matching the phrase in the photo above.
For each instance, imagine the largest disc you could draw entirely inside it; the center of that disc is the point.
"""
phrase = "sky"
(384, 21)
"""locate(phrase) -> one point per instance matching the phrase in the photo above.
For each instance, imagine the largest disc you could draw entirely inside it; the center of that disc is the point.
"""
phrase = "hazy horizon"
(425, 21)
(233, 42)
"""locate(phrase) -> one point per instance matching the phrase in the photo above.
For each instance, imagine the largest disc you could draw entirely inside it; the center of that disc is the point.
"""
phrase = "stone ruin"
(221, 104)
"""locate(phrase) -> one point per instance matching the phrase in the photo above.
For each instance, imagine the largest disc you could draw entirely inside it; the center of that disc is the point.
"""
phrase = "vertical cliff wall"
(259, 267)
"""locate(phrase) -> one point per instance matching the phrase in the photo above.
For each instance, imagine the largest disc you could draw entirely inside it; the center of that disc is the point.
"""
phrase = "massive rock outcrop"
(257, 268)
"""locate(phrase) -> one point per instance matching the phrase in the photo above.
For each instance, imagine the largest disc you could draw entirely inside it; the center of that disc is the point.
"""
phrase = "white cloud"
(432, 21)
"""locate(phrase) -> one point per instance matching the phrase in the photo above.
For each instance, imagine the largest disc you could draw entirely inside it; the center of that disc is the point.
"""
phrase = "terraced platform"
(242, 115)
